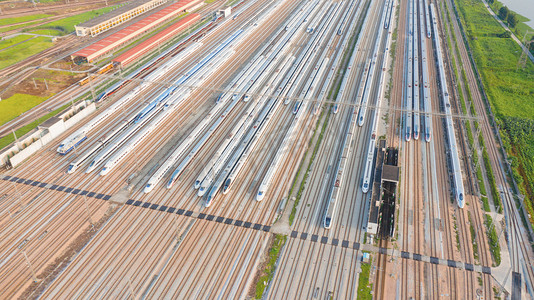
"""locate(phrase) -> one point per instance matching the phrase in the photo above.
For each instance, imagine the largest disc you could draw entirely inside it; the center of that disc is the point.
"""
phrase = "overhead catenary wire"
(345, 102)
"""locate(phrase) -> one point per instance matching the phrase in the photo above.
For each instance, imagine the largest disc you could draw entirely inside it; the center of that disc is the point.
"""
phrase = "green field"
(15, 105)
(66, 25)
(364, 287)
(46, 32)
(510, 89)
(9, 28)
(497, 58)
(8, 139)
(9, 21)
(15, 40)
(19, 52)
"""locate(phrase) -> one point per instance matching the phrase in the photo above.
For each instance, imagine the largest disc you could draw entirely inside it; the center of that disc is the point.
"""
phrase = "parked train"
(451, 135)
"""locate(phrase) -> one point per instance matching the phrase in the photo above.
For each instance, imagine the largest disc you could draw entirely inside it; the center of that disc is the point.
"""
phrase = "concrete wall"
(43, 136)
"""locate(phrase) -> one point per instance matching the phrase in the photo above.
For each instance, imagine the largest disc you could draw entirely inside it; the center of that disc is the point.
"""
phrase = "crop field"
(15, 40)
(509, 86)
(18, 26)
(8, 139)
(21, 51)
(66, 25)
(17, 104)
(47, 32)
(16, 20)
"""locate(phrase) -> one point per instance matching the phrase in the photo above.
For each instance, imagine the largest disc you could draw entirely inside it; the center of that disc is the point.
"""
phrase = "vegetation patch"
(8, 139)
(66, 25)
(520, 28)
(21, 19)
(493, 240)
(14, 40)
(519, 143)
(364, 287)
(473, 236)
(14, 27)
(485, 203)
(267, 272)
(48, 31)
(455, 227)
(497, 59)
(491, 178)
(15, 105)
(24, 50)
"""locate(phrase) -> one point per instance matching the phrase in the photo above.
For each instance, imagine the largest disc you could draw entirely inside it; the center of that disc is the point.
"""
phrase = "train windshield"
(327, 221)
(461, 196)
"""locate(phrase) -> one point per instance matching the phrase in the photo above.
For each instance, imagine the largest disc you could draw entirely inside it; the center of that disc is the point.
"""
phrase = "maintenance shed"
(117, 40)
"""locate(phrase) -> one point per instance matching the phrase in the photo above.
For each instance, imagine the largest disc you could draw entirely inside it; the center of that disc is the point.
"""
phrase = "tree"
(491, 1)
(503, 13)
(506, 34)
(512, 20)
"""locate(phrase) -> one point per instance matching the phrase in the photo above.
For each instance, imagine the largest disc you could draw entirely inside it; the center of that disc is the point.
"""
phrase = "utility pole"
(523, 58)
(92, 88)
(12, 130)
(30, 265)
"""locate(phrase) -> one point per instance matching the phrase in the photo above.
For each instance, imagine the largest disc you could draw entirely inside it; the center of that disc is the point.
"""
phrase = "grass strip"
(14, 40)
(268, 271)
(314, 154)
(24, 50)
(493, 240)
(473, 236)
(21, 19)
(364, 287)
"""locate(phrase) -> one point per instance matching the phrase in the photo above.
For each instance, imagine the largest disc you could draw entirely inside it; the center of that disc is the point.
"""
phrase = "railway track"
(59, 167)
(51, 8)
(302, 258)
(475, 208)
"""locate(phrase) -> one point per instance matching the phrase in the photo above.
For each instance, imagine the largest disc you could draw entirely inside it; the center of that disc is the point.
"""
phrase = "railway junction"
(322, 131)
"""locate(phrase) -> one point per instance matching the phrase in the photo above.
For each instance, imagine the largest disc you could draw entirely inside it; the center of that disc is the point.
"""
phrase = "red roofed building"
(141, 49)
(117, 40)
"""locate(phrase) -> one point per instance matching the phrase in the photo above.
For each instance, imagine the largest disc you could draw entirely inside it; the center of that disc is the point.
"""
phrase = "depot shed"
(153, 42)
(117, 40)
(116, 17)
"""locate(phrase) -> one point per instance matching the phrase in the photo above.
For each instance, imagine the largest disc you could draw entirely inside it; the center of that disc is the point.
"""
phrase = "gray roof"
(50, 122)
(116, 12)
(390, 173)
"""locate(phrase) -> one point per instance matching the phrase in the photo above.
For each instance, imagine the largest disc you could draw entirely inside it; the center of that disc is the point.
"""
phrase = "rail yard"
(229, 137)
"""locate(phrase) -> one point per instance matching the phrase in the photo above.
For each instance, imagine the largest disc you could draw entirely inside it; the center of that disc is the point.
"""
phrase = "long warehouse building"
(117, 40)
(143, 48)
(116, 17)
